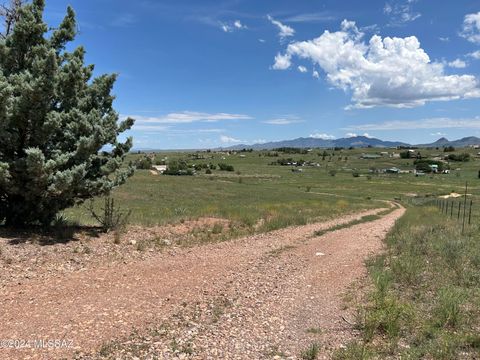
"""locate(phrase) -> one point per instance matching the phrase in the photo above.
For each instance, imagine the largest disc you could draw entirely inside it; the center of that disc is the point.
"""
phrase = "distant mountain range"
(356, 142)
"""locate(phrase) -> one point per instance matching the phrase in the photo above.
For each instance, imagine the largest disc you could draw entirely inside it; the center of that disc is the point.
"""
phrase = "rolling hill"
(356, 141)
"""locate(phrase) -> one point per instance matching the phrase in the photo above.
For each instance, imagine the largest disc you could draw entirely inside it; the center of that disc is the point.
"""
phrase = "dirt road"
(265, 296)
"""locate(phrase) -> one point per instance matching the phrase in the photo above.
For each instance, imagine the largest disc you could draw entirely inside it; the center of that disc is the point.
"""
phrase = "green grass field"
(425, 298)
(257, 190)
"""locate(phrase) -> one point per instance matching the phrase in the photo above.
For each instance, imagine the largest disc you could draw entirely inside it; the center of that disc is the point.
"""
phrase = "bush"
(291, 150)
(459, 157)
(225, 167)
(424, 165)
(199, 167)
(144, 163)
(405, 155)
(332, 172)
(311, 353)
(449, 149)
(110, 217)
(178, 168)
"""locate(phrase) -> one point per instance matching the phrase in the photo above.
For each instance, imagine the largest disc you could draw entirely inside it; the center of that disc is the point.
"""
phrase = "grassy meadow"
(275, 195)
(425, 298)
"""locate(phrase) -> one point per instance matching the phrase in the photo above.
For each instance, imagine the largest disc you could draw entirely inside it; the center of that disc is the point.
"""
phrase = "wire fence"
(459, 209)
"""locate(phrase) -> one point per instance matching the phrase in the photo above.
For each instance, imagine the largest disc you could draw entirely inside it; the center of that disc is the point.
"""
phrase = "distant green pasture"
(259, 192)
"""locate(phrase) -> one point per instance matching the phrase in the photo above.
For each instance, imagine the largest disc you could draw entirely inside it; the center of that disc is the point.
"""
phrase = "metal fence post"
(470, 213)
(464, 207)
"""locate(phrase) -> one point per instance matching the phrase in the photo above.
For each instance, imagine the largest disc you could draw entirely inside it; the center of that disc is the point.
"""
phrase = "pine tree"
(56, 123)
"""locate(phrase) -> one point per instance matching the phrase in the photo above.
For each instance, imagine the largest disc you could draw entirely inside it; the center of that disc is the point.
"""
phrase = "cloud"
(187, 117)
(457, 64)
(226, 28)
(239, 25)
(475, 55)
(282, 121)
(229, 140)
(285, 30)
(302, 69)
(429, 123)
(282, 62)
(230, 27)
(370, 28)
(262, 41)
(471, 28)
(400, 12)
(322, 136)
(167, 129)
(315, 74)
(394, 72)
(444, 39)
(438, 134)
(312, 17)
(352, 134)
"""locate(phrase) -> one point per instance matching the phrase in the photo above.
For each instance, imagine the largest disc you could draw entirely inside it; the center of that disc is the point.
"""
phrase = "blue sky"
(204, 73)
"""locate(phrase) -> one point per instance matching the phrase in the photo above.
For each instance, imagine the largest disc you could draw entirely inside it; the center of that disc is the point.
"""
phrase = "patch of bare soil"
(27, 256)
(264, 296)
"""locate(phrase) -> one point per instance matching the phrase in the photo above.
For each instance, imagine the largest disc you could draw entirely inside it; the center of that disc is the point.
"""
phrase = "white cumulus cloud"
(352, 134)
(381, 72)
(457, 64)
(284, 30)
(475, 54)
(471, 28)
(322, 136)
(302, 69)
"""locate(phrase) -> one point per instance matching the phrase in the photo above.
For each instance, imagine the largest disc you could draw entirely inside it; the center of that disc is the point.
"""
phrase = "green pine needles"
(55, 123)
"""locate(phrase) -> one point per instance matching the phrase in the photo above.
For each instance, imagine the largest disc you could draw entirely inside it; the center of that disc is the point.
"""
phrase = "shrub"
(459, 157)
(144, 163)
(291, 150)
(178, 168)
(225, 167)
(405, 155)
(110, 217)
(424, 165)
(311, 353)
